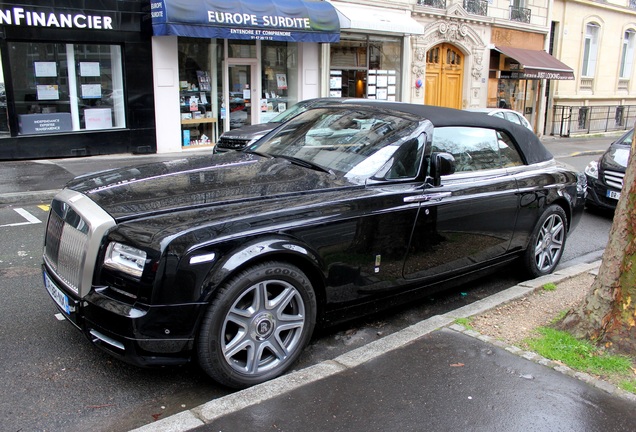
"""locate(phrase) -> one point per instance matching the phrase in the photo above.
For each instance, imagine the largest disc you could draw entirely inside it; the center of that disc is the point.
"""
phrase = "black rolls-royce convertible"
(232, 259)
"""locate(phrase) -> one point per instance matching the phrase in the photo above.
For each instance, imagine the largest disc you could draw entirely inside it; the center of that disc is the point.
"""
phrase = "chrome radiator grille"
(74, 234)
(614, 179)
(65, 249)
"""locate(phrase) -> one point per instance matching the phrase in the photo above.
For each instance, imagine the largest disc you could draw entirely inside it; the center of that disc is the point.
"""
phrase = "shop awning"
(535, 64)
(278, 20)
(359, 17)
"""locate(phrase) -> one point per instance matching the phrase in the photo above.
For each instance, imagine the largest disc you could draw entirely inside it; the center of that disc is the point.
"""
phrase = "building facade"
(135, 76)
(479, 53)
(75, 79)
(260, 57)
(598, 39)
(221, 65)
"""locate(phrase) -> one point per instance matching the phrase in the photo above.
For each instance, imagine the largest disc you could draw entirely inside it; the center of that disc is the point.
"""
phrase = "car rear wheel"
(547, 243)
(257, 325)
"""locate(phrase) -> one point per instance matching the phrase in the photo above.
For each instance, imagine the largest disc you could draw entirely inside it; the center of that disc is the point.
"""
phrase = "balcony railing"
(568, 119)
(519, 14)
(477, 7)
(439, 4)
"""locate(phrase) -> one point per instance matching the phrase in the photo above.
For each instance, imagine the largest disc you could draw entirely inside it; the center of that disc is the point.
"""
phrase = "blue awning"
(278, 20)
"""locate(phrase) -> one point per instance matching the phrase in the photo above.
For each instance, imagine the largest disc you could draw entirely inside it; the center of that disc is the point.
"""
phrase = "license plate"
(58, 296)
(613, 194)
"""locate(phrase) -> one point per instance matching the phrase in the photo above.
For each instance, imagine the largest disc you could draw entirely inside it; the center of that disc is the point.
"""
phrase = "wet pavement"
(434, 375)
(444, 381)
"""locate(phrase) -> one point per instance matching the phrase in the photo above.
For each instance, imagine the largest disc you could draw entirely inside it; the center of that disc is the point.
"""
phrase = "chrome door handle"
(427, 197)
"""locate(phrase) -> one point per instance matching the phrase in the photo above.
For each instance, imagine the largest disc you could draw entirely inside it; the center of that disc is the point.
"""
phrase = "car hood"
(138, 191)
(616, 158)
(249, 132)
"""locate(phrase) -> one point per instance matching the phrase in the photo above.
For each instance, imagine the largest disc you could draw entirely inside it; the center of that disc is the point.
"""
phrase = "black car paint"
(345, 236)
(612, 160)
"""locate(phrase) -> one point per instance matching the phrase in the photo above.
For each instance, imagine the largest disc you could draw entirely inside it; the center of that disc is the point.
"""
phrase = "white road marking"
(25, 214)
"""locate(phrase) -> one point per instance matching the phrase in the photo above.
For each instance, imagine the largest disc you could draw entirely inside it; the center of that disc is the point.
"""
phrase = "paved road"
(56, 381)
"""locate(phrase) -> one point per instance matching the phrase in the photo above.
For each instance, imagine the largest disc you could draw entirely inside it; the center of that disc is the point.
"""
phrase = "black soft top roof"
(533, 149)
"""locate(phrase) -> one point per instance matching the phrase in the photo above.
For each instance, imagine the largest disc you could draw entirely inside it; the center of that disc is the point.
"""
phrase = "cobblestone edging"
(536, 358)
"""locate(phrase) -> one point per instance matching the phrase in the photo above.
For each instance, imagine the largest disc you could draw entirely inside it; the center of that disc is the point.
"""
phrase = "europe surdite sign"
(276, 20)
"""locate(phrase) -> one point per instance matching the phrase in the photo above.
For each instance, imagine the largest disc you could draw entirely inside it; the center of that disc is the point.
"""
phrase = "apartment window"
(590, 50)
(627, 54)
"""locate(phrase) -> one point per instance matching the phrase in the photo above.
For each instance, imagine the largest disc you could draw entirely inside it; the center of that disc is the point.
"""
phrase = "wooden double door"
(444, 76)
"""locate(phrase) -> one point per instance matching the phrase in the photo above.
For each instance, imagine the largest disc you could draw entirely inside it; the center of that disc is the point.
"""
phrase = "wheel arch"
(262, 250)
(562, 202)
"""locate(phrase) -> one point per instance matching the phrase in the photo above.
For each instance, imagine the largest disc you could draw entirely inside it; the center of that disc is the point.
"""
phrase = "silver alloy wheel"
(550, 242)
(263, 327)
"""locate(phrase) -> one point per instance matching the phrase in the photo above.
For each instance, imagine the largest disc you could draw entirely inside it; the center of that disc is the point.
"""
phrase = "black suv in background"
(237, 139)
(605, 175)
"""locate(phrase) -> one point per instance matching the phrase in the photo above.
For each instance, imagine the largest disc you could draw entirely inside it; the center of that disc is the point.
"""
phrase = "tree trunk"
(608, 314)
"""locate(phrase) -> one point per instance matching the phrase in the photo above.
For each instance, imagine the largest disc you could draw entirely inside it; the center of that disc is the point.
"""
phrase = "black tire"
(245, 341)
(546, 244)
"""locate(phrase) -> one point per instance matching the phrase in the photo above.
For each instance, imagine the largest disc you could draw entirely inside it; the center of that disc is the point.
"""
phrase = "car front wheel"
(257, 325)
(547, 243)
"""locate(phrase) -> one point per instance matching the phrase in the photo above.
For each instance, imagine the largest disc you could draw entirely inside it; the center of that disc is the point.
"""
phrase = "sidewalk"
(434, 375)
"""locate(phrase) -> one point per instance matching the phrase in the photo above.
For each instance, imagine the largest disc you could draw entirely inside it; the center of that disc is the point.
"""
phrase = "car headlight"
(581, 183)
(126, 259)
(592, 169)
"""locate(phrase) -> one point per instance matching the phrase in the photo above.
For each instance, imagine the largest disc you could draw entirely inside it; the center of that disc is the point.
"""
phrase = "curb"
(587, 153)
(210, 411)
(45, 196)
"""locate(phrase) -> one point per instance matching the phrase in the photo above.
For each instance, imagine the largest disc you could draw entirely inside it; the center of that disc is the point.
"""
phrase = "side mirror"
(441, 164)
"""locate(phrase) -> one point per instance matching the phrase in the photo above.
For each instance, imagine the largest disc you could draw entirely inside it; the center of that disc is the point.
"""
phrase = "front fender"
(272, 248)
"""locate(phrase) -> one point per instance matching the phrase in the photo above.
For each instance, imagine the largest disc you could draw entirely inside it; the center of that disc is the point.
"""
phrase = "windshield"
(627, 138)
(349, 141)
(292, 111)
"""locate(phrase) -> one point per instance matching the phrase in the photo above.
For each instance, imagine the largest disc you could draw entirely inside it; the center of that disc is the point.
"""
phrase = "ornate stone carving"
(478, 56)
(420, 54)
(452, 31)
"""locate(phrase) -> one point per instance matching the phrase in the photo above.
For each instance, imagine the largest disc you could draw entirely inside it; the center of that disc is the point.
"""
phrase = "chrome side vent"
(99, 337)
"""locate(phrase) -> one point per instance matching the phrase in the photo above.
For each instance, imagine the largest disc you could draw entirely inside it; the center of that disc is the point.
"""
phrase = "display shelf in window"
(198, 126)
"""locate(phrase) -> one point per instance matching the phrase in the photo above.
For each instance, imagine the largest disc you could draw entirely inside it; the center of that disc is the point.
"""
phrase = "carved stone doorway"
(444, 76)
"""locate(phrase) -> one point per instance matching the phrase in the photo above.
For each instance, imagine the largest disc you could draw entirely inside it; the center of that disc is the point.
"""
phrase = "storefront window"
(66, 87)
(366, 67)
(279, 78)
(99, 86)
(199, 61)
